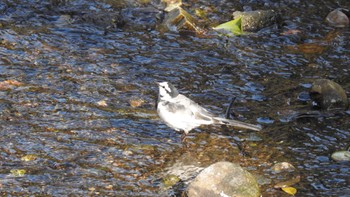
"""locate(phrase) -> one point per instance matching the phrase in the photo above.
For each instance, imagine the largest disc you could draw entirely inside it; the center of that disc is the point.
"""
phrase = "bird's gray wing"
(197, 112)
(200, 113)
(191, 109)
(177, 107)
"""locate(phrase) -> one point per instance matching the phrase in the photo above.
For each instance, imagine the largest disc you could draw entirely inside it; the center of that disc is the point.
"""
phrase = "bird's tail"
(239, 124)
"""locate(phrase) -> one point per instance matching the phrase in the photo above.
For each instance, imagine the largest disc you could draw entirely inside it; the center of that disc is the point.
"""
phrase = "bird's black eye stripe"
(165, 89)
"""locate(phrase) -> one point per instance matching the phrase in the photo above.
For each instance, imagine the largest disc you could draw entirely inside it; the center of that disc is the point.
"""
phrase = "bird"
(183, 114)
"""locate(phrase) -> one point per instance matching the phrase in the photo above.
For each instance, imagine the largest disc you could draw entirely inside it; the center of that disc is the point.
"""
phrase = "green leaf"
(234, 27)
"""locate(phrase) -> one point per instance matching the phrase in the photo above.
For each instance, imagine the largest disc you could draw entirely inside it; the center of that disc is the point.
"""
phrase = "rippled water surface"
(79, 100)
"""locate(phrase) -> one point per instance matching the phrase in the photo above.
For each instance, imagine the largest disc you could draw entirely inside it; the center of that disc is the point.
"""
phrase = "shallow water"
(66, 89)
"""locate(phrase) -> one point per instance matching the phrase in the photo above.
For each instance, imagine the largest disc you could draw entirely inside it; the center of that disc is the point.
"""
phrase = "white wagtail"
(183, 114)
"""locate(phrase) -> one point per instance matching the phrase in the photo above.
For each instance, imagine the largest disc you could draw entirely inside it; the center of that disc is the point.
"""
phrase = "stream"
(77, 102)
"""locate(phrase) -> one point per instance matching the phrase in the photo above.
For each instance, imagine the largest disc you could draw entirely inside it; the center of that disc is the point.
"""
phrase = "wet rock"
(258, 19)
(341, 156)
(179, 20)
(184, 170)
(288, 183)
(224, 179)
(337, 18)
(328, 95)
(282, 166)
(178, 176)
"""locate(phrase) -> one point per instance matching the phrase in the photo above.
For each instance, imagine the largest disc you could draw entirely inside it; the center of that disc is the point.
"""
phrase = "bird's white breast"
(177, 120)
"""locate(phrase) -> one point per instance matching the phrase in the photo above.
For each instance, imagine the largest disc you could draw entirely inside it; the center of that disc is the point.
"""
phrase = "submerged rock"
(337, 18)
(258, 19)
(179, 20)
(328, 95)
(186, 168)
(282, 166)
(224, 179)
(341, 156)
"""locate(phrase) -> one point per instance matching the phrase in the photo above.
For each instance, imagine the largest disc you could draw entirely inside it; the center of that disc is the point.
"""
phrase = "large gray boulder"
(224, 179)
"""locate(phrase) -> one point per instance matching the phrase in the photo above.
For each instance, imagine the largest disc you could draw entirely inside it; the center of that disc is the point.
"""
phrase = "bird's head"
(167, 91)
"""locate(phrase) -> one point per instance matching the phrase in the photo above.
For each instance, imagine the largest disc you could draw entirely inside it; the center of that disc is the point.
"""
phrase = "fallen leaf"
(8, 84)
(233, 26)
(311, 48)
(13, 82)
(289, 190)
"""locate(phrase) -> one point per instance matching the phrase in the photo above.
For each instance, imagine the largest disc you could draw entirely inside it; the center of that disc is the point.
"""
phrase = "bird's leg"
(241, 147)
(183, 137)
(227, 115)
